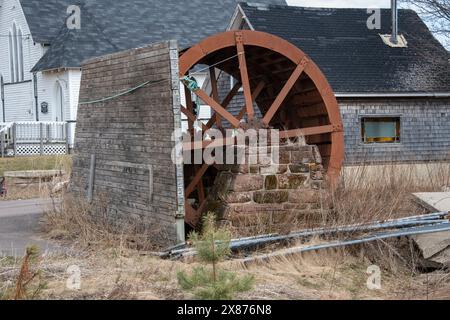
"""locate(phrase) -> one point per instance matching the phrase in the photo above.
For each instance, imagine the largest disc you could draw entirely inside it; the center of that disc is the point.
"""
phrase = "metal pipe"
(2, 95)
(237, 244)
(35, 89)
(394, 11)
(410, 232)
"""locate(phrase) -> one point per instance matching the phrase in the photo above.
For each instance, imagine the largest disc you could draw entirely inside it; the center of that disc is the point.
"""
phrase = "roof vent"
(394, 12)
(401, 41)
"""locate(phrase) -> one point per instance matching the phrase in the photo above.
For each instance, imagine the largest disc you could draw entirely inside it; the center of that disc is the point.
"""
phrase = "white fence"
(36, 138)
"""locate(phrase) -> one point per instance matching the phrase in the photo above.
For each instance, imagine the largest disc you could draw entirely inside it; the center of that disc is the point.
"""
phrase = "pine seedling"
(213, 246)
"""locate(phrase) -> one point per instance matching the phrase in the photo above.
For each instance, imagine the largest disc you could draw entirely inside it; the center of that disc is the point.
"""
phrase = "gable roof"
(353, 58)
(122, 25)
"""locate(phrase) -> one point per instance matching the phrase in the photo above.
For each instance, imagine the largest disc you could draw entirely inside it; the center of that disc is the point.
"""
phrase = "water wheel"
(289, 89)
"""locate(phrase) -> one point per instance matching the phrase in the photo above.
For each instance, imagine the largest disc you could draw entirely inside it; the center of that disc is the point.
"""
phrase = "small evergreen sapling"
(213, 246)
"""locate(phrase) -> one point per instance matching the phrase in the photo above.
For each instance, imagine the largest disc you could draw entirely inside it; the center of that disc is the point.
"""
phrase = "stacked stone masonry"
(263, 197)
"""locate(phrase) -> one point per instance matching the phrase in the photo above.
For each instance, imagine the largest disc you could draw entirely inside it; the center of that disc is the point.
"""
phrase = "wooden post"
(90, 191)
(2, 143)
(14, 134)
(41, 138)
(150, 182)
(67, 126)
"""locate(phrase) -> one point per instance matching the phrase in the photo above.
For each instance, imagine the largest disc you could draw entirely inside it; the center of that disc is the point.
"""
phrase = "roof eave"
(238, 16)
(393, 95)
(59, 69)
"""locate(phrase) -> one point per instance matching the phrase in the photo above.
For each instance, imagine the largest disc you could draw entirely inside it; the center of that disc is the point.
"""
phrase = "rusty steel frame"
(303, 65)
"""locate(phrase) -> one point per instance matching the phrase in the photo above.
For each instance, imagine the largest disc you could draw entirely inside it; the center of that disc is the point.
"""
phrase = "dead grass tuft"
(90, 225)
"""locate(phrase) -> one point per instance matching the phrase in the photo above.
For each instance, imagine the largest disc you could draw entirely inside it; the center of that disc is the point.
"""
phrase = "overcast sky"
(341, 3)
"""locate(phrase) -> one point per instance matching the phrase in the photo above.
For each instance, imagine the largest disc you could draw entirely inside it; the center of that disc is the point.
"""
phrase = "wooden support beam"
(244, 76)
(192, 118)
(225, 103)
(307, 131)
(192, 216)
(215, 92)
(217, 107)
(285, 91)
(208, 144)
(190, 108)
(198, 176)
(255, 95)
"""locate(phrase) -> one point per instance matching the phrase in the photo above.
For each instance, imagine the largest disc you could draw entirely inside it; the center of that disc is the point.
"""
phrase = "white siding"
(74, 85)
(19, 98)
(19, 106)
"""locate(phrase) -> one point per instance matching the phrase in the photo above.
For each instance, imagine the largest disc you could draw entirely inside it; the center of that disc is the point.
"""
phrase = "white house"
(41, 55)
(42, 96)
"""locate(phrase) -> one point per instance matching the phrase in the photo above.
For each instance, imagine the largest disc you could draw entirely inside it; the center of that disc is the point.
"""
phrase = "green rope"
(121, 93)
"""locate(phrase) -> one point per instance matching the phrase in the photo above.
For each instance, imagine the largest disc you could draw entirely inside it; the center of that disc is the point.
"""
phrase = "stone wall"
(261, 198)
(131, 137)
(424, 136)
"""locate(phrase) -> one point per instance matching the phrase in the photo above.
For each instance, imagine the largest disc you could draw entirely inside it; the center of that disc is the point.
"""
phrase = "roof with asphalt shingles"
(354, 58)
(110, 25)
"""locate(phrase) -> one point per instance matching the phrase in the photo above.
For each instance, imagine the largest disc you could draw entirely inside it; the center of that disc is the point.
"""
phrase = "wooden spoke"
(189, 108)
(285, 91)
(225, 102)
(198, 176)
(192, 216)
(244, 76)
(255, 95)
(308, 131)
(200, 188)
(208, 144)
(215, 92)
(192, 118)
(217, 107)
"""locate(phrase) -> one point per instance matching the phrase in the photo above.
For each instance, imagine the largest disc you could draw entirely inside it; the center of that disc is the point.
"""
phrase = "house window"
(380, 130)
(20, 54)
(16, 54)
(11, 58)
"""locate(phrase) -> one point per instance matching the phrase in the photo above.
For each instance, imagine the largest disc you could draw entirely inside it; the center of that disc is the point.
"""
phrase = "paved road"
(19, 226)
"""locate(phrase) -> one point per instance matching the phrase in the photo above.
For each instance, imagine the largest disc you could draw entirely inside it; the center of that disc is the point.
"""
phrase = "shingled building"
(394, 99)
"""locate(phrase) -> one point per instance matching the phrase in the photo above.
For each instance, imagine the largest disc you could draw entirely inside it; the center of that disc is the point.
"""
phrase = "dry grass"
(373, 193)
(90, 225)
(121, 273)
(34, 189)
(365, 195)
(63, 162)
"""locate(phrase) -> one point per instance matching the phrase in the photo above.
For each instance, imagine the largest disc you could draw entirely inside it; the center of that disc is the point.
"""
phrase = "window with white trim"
(16, 54)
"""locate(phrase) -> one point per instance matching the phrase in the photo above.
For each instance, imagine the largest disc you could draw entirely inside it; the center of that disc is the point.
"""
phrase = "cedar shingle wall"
(131, 135)
(425, 130)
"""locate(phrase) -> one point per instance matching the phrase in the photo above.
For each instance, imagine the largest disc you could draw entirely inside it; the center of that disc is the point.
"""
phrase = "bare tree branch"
(436, 13)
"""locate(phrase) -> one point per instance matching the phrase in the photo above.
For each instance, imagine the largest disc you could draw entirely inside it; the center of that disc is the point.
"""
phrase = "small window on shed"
(380, 130)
